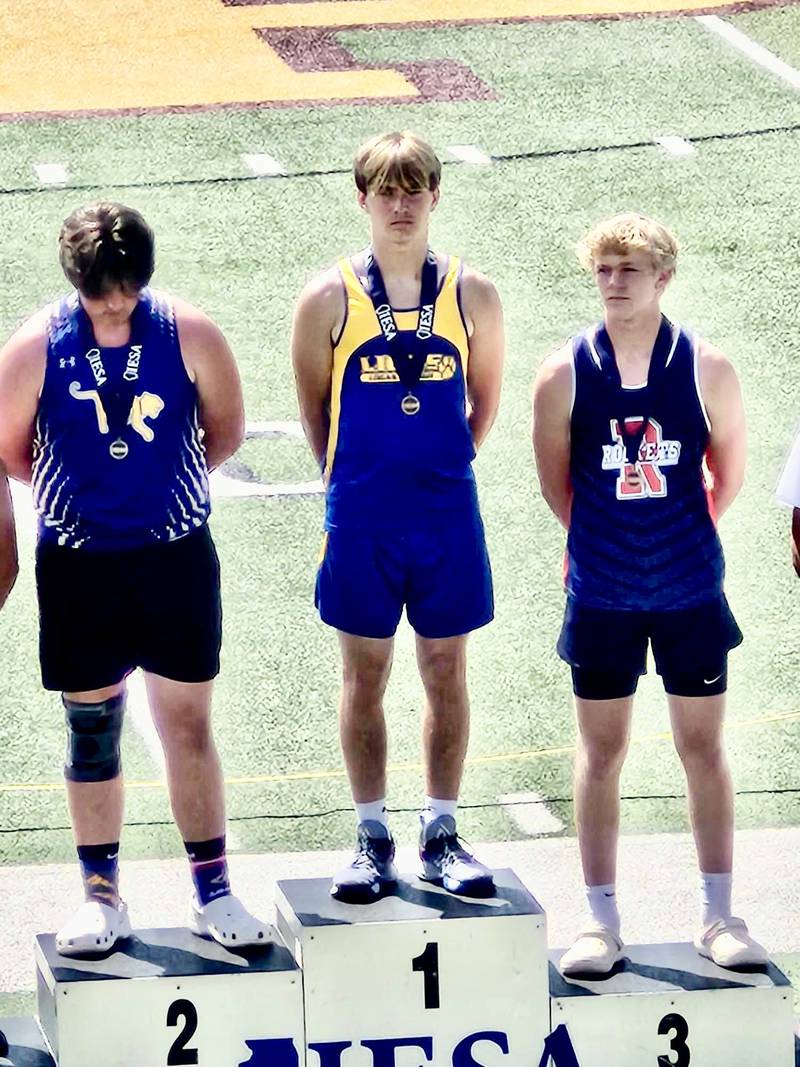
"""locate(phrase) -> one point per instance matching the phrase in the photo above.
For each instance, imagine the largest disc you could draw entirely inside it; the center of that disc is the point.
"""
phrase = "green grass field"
(570, 98)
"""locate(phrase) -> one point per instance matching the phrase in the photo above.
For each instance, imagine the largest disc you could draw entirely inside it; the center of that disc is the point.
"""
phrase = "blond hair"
(399, 160)
(626, 233)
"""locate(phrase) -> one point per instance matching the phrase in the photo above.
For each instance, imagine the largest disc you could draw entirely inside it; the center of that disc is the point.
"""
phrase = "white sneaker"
(229, 923)
(727, 942)
(94, 928)
(594, 952)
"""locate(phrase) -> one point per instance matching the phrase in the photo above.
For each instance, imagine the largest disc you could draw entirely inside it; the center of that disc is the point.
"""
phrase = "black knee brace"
(93, 736)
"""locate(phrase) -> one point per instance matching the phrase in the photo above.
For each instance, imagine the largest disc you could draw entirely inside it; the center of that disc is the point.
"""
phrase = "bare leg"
(443, 668)
(603, 735)
(182, 716)
(697, 728)
(96, 808)
(366, 664)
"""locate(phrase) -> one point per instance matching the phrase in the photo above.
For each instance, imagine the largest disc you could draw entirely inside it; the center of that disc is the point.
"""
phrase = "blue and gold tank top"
(385, 468)
(641, 533)
(118, 459)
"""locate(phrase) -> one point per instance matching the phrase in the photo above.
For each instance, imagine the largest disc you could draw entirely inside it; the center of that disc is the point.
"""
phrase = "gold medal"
(409, 405)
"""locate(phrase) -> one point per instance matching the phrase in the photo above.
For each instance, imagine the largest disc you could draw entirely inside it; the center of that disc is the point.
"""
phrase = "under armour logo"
(66, 362)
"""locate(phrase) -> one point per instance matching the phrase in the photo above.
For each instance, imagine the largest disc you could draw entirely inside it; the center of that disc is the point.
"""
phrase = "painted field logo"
(266, 53)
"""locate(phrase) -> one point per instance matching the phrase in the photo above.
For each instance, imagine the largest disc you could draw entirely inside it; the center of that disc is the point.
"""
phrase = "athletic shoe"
(595, 952)
(229, 923)
(446, 862)
(93, 929)
(728, 943)
(372, 872)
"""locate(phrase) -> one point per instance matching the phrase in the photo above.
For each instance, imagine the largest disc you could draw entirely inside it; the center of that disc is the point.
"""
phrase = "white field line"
(530, 815)
(224, 486)
(51, 173)
(262, 165)
(469, 153)
(277, 428)
(138, 711)
(676, 146)
(752, 49)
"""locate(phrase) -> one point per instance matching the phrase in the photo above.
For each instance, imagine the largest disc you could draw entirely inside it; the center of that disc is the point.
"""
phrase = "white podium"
(27, 1047)
(421, 976)
(667, 1007)
(165, 998)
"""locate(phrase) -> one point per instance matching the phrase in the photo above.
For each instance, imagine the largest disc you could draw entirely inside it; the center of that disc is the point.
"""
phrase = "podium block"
(665, 1006)
(421, 976)
(167, 997)
(26, 1046)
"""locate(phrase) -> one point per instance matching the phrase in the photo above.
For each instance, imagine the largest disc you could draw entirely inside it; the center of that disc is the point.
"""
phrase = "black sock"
(209, 868)
(99, 869)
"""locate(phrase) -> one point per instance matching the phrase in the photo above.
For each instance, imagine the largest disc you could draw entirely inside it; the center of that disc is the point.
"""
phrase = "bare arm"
(727, 447)
(8, 541)
(318, 318)
(796, 540)
(211, 366)
(22, 363)
(484, 314)
(552, 404)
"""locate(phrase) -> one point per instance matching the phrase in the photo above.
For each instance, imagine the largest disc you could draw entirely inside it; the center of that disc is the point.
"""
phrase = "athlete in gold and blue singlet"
(398, 357)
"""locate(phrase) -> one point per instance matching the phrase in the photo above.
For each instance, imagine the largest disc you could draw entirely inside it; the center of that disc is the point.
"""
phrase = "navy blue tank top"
(118, 460)
(641, 533)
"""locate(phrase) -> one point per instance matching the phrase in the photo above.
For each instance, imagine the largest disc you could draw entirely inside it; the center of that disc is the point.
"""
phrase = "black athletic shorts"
(101, 614)
(607, 649)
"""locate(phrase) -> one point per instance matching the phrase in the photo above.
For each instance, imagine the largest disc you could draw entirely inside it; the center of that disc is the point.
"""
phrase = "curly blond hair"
(626, 233)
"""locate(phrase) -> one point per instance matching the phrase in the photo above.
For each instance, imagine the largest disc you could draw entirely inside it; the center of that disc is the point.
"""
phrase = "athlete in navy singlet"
(119, 460)
(627, 416)
(398, 354)
(115, 403)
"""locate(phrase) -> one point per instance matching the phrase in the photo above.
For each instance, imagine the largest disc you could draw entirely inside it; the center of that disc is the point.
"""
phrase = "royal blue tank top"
(118, 459)
(385, 468)
(641, 534)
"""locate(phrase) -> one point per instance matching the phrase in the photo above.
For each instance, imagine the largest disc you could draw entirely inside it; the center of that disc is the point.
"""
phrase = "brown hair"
(105, 245)
(396, 160)
(626, 233)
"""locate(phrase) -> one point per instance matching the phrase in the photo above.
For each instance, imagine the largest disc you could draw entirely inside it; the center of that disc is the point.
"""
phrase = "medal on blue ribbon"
(116, 396)
(409, 365)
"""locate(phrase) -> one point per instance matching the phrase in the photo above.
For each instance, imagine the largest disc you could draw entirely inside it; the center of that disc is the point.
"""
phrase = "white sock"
(603, 905)
(434, 807)
(375, 810)
(716, 893)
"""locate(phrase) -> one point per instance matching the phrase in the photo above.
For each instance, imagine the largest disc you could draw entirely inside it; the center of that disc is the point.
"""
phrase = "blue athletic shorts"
(607, 649)
(442, 577)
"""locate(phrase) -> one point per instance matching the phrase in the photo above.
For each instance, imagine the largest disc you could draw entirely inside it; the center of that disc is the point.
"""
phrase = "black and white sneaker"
(372, 872)
(446, 862)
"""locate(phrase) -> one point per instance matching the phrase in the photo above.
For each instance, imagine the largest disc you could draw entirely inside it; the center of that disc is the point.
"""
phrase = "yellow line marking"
(201, 53)
(339, 772)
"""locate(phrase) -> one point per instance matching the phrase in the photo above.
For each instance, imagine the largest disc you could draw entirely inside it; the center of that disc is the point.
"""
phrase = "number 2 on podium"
(428, 963)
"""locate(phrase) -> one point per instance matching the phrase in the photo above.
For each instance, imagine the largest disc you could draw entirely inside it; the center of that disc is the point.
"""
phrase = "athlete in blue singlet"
(115, 403)
(625, 416)
(397, 354)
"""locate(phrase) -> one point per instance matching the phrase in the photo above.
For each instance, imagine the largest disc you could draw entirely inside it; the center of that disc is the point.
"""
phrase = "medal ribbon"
(116, 395)
(408, 364)
(632, 442)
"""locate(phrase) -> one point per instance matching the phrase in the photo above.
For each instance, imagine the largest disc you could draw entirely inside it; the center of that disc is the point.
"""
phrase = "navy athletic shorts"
(607, 649)
(441, 576)
(101, 614)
